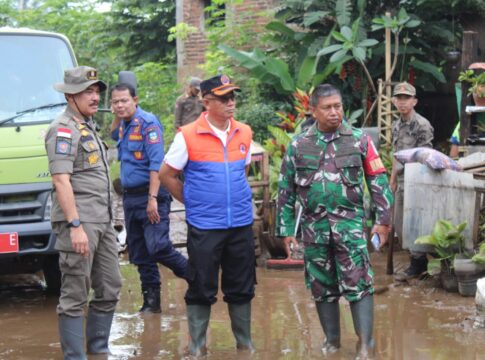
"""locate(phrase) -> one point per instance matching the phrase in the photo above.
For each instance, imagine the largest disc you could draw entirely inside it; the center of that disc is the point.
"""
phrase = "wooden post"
(469, 55)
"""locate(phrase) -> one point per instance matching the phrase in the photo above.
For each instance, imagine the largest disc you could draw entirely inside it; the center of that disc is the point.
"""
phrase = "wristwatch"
(151, 196)
(75, 223)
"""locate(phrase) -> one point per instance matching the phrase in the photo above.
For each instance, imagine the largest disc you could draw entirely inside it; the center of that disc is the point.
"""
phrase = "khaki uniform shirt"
(187, 110)
(75, 148)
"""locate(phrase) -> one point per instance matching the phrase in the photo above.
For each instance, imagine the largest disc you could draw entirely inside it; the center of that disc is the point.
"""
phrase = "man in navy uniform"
(146, 204)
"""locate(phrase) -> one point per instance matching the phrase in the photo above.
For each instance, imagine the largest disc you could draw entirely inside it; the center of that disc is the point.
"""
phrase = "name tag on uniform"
(135, 137)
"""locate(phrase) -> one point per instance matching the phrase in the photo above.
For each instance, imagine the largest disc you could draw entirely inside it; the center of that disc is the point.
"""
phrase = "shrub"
(258, 116)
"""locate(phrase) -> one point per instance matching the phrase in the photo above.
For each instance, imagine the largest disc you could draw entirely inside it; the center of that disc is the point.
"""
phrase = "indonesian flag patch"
(64, 132)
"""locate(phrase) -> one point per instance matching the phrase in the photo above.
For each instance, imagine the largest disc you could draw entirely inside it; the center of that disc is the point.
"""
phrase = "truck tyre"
(52, 274)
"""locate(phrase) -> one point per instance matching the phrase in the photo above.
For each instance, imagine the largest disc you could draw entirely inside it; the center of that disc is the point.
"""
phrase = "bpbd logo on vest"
(242, 148)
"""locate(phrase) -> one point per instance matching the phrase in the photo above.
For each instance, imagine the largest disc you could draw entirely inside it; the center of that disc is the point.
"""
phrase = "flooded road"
(411, 322)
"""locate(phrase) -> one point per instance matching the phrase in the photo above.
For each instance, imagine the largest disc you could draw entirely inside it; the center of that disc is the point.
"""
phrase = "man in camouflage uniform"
(410, 131)
(81, 218)
(324, 169)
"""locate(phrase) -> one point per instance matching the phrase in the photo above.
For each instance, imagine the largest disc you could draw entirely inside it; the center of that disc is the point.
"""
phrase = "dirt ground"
(417, 321)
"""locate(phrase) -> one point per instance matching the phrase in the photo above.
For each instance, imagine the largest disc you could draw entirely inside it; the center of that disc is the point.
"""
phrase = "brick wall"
(190, 52)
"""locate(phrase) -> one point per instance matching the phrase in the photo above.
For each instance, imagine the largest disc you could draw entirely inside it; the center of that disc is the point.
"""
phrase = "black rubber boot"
(363, 318)
(198, 318)
(151, 300)
(329, 315)
(98, 328)
(240, 315)
(71, 332)
(418, 265)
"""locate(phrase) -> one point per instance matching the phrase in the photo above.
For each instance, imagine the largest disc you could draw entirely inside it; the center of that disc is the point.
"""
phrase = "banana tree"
(350, 40)
(274, 71)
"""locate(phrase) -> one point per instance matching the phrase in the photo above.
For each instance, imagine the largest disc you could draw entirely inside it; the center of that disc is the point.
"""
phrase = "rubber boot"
(98, 328)
(240, 315)
(198, 318)
(151, 300)
(329, 315)
(71, 332)
(363, 317)
(417, 266)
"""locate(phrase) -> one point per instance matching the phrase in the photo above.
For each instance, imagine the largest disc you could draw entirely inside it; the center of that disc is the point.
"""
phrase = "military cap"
(195, 82)
(218, 85)
(404, 88)
(78, 79)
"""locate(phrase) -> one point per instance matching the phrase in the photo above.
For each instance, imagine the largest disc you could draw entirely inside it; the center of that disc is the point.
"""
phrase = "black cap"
(218, 85)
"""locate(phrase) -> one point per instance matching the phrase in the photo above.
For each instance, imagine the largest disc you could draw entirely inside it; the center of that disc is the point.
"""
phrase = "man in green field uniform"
(324, 169)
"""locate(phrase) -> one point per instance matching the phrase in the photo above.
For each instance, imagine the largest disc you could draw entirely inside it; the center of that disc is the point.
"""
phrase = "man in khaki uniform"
(81, 217)
(410, 131)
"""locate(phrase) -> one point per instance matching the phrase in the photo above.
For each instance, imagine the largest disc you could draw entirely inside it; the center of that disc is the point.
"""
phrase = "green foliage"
(141, 28)
(282, 134)
(181, 31)
(266, 68)
(78, 20)
(158, 91)
(477, 82)
(349, 40)
(447, 240)
(258, 116)
(480, 257)
(6, 12)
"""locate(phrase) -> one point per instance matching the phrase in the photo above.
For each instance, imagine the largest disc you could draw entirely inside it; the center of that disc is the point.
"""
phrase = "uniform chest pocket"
(135, 145)
(136, 149)
(91, 154)
(350, 169)
(306, 170)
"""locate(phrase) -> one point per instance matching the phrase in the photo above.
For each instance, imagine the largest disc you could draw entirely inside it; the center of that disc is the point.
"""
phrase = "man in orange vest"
(214, 154)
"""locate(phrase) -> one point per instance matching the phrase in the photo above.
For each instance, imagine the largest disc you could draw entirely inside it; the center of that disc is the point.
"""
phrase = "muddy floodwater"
(411, 322)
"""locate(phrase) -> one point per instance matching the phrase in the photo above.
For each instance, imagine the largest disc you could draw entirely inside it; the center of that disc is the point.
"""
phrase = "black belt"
(136, 190)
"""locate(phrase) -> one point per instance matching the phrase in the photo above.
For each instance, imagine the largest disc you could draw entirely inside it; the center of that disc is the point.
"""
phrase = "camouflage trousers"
(338, 268)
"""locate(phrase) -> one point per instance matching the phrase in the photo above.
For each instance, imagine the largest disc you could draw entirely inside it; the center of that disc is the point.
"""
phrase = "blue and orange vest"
(216, 191)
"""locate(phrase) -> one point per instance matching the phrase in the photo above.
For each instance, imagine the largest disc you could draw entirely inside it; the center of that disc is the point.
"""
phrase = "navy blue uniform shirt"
(140, 148)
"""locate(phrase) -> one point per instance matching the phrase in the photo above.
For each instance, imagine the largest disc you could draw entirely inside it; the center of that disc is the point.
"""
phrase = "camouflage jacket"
(325, 173)
(417, 132)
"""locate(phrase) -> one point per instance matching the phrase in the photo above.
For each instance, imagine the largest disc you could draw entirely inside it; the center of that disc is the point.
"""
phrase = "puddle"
(417, 321)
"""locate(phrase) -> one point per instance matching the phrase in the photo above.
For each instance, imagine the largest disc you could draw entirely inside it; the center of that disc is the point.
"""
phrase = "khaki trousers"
(99, 271)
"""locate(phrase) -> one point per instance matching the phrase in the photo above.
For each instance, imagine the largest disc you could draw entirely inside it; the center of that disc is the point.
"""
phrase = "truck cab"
(32, 61)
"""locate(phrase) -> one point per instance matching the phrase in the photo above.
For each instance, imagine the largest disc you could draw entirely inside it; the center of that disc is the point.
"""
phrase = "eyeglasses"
(223, 99)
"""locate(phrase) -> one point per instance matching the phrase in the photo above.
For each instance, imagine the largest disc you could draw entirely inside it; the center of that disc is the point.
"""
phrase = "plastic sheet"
(431, 158)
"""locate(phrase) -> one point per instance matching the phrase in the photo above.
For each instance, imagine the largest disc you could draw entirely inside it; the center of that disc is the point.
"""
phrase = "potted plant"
(447, 241)
(468, 270)
(477, 88)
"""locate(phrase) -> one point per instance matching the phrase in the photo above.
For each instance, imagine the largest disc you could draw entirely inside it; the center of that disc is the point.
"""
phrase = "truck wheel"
(52, 274)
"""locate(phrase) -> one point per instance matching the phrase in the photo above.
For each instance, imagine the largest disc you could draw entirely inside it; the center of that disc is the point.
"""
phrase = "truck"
(32, 61)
